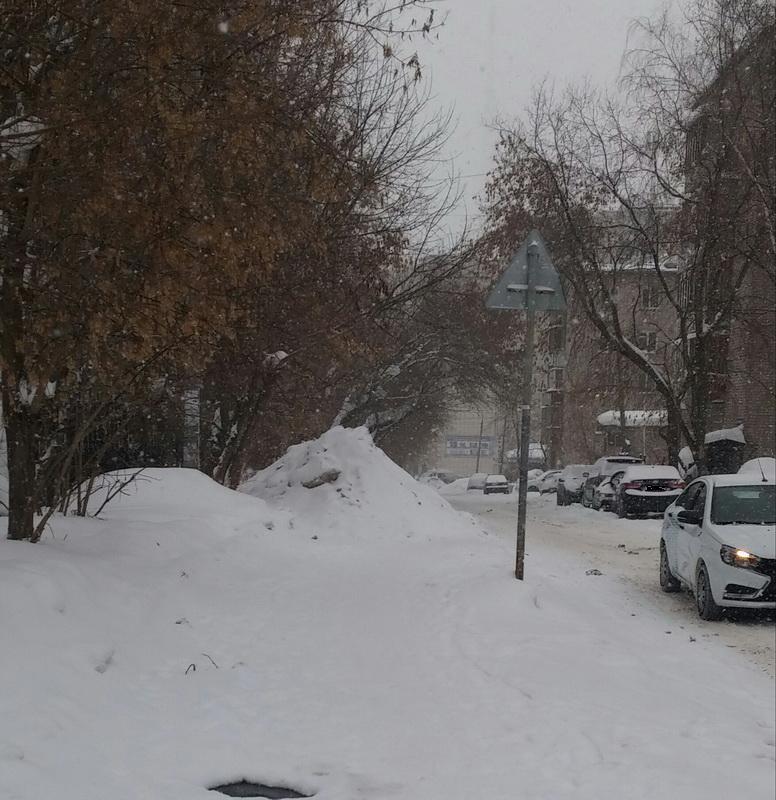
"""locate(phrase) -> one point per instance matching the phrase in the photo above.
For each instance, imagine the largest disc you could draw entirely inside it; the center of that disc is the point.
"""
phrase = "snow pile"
(343, 482)
(726, 435)
(169, 493)
(458, 486)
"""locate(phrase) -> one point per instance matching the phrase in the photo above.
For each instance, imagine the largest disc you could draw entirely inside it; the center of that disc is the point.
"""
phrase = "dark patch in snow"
(594, 572)
(248, 789)
(105, 663)
(329, 476)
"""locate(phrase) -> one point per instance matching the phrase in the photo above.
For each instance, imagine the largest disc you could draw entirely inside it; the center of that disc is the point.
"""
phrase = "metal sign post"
(530, 283)
(525, 408)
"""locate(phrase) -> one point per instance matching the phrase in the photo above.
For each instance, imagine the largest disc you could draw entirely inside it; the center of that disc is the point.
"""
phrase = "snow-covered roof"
(726, 434)
(634, 419)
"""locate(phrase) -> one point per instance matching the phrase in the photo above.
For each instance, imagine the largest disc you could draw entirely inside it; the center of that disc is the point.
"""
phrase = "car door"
(688, 541)
(672, 530)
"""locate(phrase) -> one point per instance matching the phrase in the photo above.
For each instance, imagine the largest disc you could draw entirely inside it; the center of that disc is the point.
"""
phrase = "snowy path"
(625, 551)
(355, 644)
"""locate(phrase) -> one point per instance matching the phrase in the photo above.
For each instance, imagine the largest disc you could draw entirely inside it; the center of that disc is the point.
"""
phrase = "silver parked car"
(570, 482)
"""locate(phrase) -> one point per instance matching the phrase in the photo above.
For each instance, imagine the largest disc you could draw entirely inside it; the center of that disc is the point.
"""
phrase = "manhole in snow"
(248, 789)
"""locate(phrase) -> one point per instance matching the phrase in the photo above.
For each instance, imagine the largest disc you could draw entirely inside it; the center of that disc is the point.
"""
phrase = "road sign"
(511, 291)
(530, 283)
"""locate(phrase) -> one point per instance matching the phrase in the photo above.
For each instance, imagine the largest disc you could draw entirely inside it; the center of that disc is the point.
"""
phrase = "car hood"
(757, 539)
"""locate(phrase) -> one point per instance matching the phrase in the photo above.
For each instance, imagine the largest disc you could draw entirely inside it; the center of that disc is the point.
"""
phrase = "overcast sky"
(490, 53)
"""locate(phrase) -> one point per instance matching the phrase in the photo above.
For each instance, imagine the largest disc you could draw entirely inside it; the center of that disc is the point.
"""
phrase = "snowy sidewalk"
(356, 641)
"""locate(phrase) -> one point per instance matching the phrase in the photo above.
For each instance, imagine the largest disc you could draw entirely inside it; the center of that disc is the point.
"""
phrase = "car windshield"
(744, 505)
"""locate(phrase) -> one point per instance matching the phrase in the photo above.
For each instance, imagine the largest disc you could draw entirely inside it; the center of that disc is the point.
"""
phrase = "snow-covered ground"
(359, 640)
(626, 552)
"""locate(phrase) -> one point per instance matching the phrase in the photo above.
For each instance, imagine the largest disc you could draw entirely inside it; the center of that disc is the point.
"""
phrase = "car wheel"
(668, 582)
(707, 606)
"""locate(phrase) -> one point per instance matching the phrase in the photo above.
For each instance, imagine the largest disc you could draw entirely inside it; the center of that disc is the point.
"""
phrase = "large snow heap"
(343, 481)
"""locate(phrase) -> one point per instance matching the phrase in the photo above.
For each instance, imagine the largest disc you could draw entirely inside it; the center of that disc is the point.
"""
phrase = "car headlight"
(738, 558)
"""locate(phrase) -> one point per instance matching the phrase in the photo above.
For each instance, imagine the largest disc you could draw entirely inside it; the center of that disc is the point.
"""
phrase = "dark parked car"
(496, 484)
(647, 489)
(570, 482)
(602, 468)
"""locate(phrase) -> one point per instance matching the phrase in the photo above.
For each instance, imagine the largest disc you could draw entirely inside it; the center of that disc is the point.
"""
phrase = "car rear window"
(656, 472)
(612, 465)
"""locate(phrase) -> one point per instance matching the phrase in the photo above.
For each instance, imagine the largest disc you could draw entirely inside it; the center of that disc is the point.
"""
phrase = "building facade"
(595, 401)
(734, 127)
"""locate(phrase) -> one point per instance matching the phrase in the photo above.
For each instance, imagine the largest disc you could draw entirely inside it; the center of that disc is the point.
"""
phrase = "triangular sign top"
(511, 290)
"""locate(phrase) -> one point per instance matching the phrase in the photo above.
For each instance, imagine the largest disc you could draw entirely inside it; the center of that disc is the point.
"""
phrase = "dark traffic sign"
(511, 291)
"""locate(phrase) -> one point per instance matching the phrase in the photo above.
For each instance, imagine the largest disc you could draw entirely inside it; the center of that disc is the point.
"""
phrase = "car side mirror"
(690, 517)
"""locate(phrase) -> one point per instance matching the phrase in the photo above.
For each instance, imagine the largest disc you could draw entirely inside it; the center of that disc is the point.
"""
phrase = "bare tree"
(621, 186)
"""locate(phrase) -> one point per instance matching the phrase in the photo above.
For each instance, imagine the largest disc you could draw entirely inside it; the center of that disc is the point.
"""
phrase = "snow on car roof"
(645, 471)
(495, 479)
(577, 469)
(739, 479)
(758, 466)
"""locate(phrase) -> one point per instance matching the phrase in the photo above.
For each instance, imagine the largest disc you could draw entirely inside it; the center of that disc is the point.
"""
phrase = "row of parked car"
(718, 537)
(623, 484)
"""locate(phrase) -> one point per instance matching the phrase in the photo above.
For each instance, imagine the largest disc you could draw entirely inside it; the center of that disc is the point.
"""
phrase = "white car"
(546, 482)
(765, 466)
(604, 493)
(569, 483)
(719, 540)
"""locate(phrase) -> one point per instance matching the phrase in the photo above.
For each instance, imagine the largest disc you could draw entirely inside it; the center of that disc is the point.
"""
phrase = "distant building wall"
(751, 366)
(595, 379)
(454, 446)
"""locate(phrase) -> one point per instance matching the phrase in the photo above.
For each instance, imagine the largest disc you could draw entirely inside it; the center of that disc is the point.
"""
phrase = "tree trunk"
(20, 437)
(673, 435)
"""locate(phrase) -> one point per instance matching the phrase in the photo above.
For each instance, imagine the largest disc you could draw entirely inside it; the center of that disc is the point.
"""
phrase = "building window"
(556, 339)
(647, 341)
(695, 141)
(555, 382)
(644, 382)
(651, 296)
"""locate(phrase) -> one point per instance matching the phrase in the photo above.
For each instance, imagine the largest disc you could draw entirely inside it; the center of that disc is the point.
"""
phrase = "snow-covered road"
(577, 539)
